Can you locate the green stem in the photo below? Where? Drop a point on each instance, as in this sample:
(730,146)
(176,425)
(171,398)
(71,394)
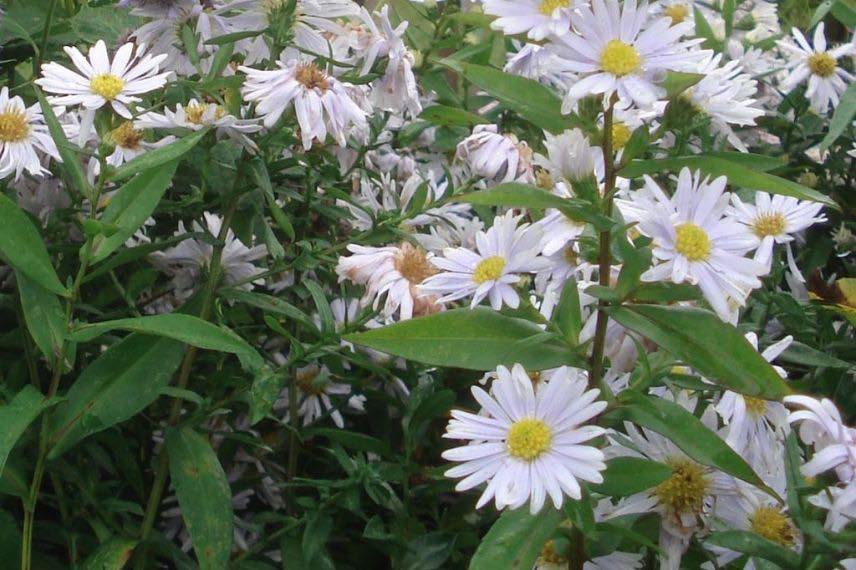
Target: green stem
(162,469)
(604,257)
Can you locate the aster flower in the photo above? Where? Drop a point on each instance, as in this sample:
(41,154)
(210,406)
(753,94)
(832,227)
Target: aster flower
(826,79)
(619,50)
(695,242)
(315,395)
(685,499)
(198,115)
(725,94)
(99,82)
(128,143)
(775,219)
(538,18)
(321,102)
(23,134)
(570,156)
(527,444)
(756,427)
(506,250)
(834,442)
(186,262)
(495,157)
(394,272)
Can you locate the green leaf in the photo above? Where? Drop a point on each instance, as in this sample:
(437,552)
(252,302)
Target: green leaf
(532,101)
(686,431)
(203,495)
(842,118)
(125,379)
(262,178)
(22,246)
(420,30)
(158,157)
(515,540)
(715,349)
(665,292)
(43,314)
(629,475)
(70,160)
(516,195)
(325,313)
(264,392)
(845,12)
(111,555)
(568,314)
(131,206)
(270,304)
(185,328)
(738,175)
(799,353)
(475,339)
(351,440)
(451,116)
(754,545)
(16,416)
(676,82)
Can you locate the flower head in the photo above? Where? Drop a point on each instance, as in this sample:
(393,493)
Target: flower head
(23,134)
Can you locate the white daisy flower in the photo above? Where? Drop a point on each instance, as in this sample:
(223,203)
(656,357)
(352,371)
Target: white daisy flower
(775,219)
(840,504)
(100,82)
(537,18)
(504,251)
(23,132)
(725,94)
(751,509)
(315,390)
(321,102)
(536,62)
(685,499)
(128,144)
(198,115)
(834,443)
(695,243)
(619,50)
(392,271)
(527,444)
(756,427)
(826,79)
(187,261)
(678,11)
(495,157)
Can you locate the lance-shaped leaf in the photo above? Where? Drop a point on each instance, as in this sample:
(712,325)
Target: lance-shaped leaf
(515,540)
(43,314)
(686,431)
(476,339)
(111,555)
(516,195)
(628,475)
(181,327)
(841,119)
(158,157)
(737,174)
(16,416)
(125,379)
(70,159)
(532,101)
(203,495)
(754,545)
(22,246)
(131,206)
(715,349)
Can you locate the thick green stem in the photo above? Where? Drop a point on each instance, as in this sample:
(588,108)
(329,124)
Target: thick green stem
(162,469)
(604,257)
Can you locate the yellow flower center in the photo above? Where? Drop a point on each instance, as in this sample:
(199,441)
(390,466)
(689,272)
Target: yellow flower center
(489,269)
(528,439)
(822,64)
(548,6)
(685,489)
(774,525)
(195,113)
(413,264)
(692,242)
(311,77)
(755,406)
(768,225)
(570,255)
(126,136)
(619,58)
(677,12)
(107,85)
(13,125)
(306,381)
(620,135)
